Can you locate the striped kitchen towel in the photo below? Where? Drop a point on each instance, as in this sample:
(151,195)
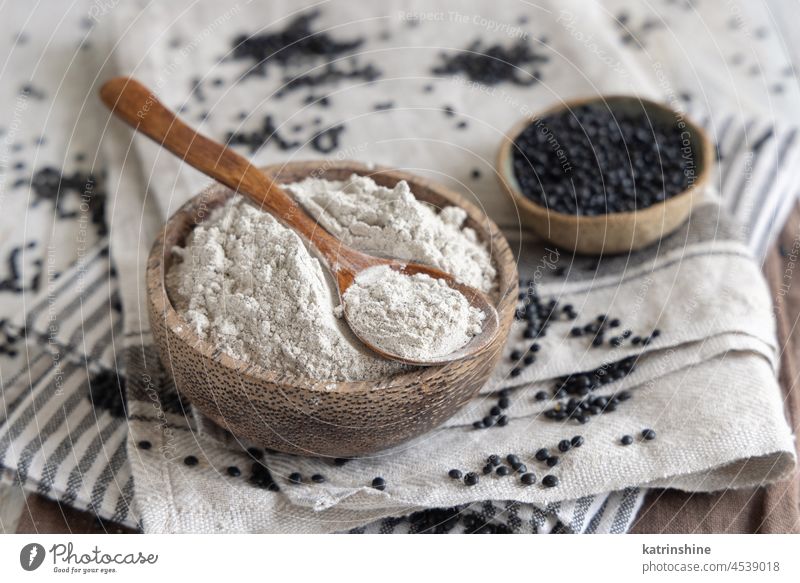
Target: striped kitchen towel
(63,427)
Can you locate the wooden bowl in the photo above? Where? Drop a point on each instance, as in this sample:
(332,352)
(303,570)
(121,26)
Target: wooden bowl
(306,416)
(613,232)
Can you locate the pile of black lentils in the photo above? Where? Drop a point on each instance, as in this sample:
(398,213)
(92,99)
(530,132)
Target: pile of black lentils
(590,160)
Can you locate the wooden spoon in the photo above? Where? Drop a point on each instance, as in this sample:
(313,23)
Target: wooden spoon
(136,105)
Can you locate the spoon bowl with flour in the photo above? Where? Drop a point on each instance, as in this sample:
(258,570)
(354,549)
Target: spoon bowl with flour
(407,312)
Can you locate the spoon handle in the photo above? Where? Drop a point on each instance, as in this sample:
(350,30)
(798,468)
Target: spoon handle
(140,108)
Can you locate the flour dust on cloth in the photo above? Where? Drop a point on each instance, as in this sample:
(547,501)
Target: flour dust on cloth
(440,125)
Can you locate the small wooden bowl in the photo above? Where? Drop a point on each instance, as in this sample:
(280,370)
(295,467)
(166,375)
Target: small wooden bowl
(305,416)
(613,232)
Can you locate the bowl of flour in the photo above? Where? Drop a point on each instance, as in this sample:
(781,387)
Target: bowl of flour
(248,318)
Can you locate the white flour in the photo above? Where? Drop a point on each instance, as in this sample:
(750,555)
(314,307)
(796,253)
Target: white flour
(416,316)
(390,222)
(249,285)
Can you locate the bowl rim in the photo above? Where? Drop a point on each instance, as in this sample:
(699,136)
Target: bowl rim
(487,230)
(508,179)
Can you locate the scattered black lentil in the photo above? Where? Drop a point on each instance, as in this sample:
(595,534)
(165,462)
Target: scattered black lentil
(261,477)
(577,441)
(471,478)
(298,42)
(190,460)
(331,75)
(503,470)
(487,469)
(318,478)
(512,459)
(648,434)
(295,478)
(268,133)
(233,471)
(552,461)
(455,474)
(490,65)
(528,479)
(379,483)
(638,161)
(626,440)
(564,445)
(550,481)
(51,184)
(144,444)
(542,454)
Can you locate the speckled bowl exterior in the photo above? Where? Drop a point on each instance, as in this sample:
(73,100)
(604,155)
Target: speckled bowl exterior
(305,416)
(614,232)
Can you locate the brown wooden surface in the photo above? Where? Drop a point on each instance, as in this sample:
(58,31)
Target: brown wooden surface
(43,516)
(773,509)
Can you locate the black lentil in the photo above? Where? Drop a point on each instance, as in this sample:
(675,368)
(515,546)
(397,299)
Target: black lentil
(517,64)
(552,461)
(295,478)
(318,478)
(528,479)
(233,471)
(471,479)
(577,441)
(494,459)
(503,470)
(542,454)
(648,434)
(379,484)
(541,395)
(638,160)
(512,459)
(502,421)
(564,445)
(144,444)
(190,460)
(298,42)
(626,440)
(488,469)
(504,402)
(455,474)
(550,481)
